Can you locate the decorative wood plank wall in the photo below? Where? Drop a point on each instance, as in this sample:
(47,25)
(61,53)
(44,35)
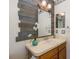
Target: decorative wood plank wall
(28,15)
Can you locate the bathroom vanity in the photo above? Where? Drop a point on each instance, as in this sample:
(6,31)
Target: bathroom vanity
(56,53)
(51,48)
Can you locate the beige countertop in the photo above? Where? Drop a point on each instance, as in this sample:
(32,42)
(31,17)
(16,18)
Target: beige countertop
(44,45)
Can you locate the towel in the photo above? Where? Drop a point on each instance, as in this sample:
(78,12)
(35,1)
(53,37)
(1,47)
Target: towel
(33,57)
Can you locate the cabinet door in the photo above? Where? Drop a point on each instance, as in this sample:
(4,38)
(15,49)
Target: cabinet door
(62,54)
(50,54)
(55,56)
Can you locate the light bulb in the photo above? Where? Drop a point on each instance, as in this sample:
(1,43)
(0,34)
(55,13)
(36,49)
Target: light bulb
(49,6)
(62,14)
(44,3)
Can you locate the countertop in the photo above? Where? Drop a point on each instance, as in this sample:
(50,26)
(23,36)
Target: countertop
(44,45)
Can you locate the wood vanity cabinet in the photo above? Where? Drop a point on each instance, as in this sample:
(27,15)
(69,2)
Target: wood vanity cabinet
(56,53)
(62,51)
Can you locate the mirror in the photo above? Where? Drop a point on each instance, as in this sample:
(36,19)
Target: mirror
(34,22)
(44,21)
(60,23)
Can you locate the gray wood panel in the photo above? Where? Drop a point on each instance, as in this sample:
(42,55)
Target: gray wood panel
(31,3)
(24,34)
(27,6)
(52,17)
(26,14)
(27,18)
(26,25)
(28,22)
(26,29)
(22,38)
(28,11)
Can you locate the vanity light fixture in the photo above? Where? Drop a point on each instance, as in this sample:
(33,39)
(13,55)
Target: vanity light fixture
(44,6)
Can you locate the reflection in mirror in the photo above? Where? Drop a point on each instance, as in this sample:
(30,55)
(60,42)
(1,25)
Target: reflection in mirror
(60,23)
(60,20)
(44,21)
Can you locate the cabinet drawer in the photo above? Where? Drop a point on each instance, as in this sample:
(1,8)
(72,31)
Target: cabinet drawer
(55,56)
(62,46)
(49,54)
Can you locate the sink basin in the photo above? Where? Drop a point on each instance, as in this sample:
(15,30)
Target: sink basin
(48,42)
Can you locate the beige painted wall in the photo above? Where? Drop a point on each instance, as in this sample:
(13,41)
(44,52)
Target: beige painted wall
(16,49)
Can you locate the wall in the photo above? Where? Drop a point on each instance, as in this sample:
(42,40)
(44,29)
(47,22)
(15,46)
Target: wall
(64,7)
(17,49)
